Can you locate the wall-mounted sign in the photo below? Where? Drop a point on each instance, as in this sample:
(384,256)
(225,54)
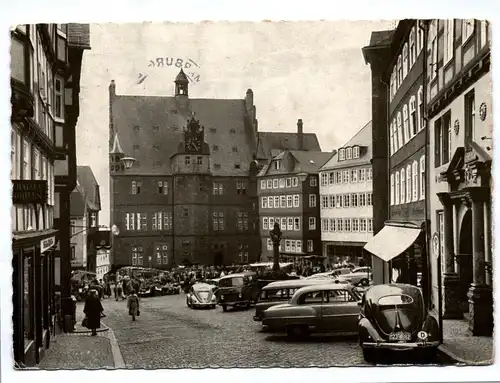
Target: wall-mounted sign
(189,66)
(435,244)
(456,126)
(47,243)
(482,111)
(29,191)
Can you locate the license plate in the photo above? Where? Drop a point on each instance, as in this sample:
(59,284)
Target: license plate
(400,336)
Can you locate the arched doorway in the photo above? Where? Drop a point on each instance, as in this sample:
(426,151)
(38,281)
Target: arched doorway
(464,258)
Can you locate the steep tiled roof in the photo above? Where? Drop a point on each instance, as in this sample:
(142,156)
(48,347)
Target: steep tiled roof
(89,187)
(79,35)
(362,138)
(310,161)
(283,140)
(305,161)
(150,129)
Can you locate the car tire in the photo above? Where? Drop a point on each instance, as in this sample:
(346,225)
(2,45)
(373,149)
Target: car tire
(188,304)
(364,282)
(213,306)
(224,308)
(297,331)
(369,355)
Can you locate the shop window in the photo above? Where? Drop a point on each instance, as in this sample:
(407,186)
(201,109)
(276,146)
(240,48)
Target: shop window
(29,300)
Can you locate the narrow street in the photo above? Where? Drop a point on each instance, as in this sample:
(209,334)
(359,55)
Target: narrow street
(168,334)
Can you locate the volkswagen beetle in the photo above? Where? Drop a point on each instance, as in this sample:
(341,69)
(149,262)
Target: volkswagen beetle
(394,317)
(201,295)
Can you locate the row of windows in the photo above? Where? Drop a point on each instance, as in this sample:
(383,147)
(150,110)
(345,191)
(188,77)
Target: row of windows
(285,201)
(468,29)
(286,223)
(346,176)
(406,59)
(349,153)
(29,57)
(346,200)
(218,222)
(30,163)
(443,131)
(288,182)
(347,225)
(408,184)
(139,221)
(292,245)
(402,130)
(162,187)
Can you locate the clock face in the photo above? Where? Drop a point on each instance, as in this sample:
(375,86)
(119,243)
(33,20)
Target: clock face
(193,144)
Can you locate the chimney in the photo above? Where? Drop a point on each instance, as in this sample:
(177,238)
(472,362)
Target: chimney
(300,135)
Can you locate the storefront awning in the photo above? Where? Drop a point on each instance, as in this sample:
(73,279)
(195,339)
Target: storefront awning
(391,241)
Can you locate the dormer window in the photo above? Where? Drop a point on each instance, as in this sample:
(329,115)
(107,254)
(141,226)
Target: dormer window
(277,164)
(348,155)
(341,154)
(355,152)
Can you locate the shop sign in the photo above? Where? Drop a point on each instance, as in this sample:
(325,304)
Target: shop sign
(29,191)
(47,243)
(435,244)
(413,211)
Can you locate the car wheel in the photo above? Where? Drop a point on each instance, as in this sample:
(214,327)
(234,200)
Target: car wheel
(364,282)
(369,355)
(247,306)
(213,306)
(224,308)
(297,331)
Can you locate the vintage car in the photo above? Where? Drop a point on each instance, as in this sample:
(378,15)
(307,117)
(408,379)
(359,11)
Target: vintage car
(280,292)
(326,307)
(394,316)
(201,295)
(238,290)
(362,277)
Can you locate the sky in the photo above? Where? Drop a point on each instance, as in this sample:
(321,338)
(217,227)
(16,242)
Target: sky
(309,70)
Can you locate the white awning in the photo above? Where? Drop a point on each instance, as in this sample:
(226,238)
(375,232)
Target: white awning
(391,241)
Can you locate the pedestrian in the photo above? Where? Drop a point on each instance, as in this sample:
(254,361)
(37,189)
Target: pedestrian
(133,305)
(118,291)
(93,310)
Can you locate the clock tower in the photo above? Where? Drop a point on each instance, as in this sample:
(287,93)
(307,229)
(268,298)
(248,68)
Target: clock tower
(192,192)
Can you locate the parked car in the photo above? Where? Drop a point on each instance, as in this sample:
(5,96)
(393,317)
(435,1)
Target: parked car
(329,275)
(238,290)
(280,292)
(201,295)
(394,316)
(328,307)
(362,278)
(362,269)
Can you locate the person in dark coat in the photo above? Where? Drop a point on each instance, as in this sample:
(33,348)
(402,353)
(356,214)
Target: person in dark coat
(133,304)
(93,309)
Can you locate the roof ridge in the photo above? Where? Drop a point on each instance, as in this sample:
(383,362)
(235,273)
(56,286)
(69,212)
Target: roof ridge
(356,134)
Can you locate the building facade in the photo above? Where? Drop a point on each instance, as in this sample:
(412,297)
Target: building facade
(85,204)
(40,67)
(189,197)
(397,63)
(288,191)
(459,103)
(346,200)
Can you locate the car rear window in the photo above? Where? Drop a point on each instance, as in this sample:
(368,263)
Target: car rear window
(275,295)
(395,300)
(231,282)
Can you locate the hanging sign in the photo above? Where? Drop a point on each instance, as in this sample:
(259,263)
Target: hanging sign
(47,243)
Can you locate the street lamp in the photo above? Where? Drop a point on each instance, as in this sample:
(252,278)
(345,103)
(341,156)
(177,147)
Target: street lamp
(302,176)
(128,162)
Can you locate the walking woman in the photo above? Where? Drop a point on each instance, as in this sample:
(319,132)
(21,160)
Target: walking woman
(93,309)
(133,304)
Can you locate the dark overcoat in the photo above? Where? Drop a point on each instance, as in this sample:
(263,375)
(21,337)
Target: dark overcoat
(93,309)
